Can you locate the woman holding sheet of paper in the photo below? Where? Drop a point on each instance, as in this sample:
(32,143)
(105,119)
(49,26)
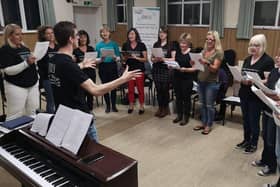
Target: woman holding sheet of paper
(109,53)
(137,56)
(21,78)
(160,71)
(183,80)
(45,33)
(208,84)
(79,54)
(251,105)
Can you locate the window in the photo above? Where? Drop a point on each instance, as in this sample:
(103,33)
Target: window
(190,12)
(267,13)
(22,12)
(121,11)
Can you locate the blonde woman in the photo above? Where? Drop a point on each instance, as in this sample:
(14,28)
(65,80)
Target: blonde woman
(21,79)
(259,62)
(208,85)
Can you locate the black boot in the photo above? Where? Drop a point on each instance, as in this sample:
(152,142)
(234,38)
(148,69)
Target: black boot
(108,109)
(178,118)
(185,120)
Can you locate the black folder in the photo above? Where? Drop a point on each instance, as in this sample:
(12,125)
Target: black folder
(14,123)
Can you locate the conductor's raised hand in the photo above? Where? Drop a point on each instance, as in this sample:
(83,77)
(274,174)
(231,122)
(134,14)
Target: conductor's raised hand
(89,63)
(128,75)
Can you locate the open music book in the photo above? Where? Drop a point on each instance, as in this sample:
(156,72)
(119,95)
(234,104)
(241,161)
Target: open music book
(68,128)
(195,57)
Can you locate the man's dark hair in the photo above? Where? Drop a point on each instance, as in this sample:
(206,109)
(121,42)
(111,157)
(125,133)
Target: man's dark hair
(62,32)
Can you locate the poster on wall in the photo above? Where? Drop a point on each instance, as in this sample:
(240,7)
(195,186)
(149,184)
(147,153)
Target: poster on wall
(146,21)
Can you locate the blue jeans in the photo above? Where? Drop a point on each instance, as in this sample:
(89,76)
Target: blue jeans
(92,132)
(251,112)
(207,92)
(49,96)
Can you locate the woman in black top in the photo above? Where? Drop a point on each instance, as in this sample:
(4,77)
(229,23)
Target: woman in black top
(251,106)
(135,60)
(21,79)
(183,80)
(45,33)
(79,54)
(161,73)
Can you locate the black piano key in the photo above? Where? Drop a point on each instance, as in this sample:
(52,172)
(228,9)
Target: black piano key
(6,145)
(47,173)
(34,166)
(16,151)
(59,182)
(53,177)
(29,162)
(9,149)
(69,184)
(25,158)
(21,155)
(64,184)
(41,169)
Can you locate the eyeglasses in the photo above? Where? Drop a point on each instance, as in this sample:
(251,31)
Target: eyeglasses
(209,39)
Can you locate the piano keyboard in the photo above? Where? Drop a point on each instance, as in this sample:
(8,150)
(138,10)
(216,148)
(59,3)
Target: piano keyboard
(32,167)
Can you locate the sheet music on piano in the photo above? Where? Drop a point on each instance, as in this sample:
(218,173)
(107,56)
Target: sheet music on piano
(68,128)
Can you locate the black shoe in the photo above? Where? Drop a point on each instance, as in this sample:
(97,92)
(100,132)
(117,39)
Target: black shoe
(242,145)
(129,111)
(258,163)
(107,110)
(184,122)
(176,120)
(141,112)
(250,149)
(266,171)
(114,109)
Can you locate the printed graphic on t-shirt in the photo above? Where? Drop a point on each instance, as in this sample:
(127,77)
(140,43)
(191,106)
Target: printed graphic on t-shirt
(24,55)
(52,78)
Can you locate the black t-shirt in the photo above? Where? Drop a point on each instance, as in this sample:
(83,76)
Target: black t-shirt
(138,52)
(14,56)
(43,64)
(184,61)
(80,55)
(167,48)
(265,63)
(66,78)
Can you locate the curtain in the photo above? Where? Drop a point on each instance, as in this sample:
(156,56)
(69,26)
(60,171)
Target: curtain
(162,4)
(245,19)
(111,14)
(47,15)
(129,5)
(217,16)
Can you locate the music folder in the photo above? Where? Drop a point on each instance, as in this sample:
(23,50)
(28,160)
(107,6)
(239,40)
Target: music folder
(17,122)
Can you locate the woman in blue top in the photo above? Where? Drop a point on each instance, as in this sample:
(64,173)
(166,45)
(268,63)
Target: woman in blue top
(108,70)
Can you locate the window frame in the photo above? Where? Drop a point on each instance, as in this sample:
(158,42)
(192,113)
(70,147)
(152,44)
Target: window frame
(124,12)
(182,3)
(23,18)
(277,17)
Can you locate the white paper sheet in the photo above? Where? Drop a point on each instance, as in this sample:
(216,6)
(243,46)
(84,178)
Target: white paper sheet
(172,64)
(77,131)
(91,55)
(255,78)
(268,101)
(59,125)
(157,52)
(195,57)
(40,49)
(232,99)
(107,52)
(40,124)
(236,73)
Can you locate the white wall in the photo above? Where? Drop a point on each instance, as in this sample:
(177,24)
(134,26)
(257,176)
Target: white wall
(145,3)
(63,10)
(231,13)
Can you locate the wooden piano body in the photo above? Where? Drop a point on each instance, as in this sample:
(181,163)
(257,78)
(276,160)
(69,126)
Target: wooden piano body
(113,170)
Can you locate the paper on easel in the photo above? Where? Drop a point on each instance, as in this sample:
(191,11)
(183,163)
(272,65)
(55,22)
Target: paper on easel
(236,73)
(107,52)
(195,57)
(77,131)
(268,101)
(157,52)
(90,55)
(40,49)
(41,123)
(255,78)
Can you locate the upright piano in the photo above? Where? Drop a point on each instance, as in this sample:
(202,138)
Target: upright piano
(36,162)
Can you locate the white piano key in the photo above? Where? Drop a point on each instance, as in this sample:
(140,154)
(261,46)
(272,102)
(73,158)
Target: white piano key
(24,169)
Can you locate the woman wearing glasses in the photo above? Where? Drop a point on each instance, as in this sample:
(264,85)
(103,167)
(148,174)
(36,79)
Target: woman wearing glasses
(208,80)
(251,106)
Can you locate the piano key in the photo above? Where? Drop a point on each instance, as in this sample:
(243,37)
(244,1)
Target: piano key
(41,169)
(16,151)
(25,158)
(7,145)
(64,184)
(35,165)
(60,182)
(30,162)
(46,174)
(21,155)
(53,177)
(9,149)
(28,159)
(69,184)
(24,169)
